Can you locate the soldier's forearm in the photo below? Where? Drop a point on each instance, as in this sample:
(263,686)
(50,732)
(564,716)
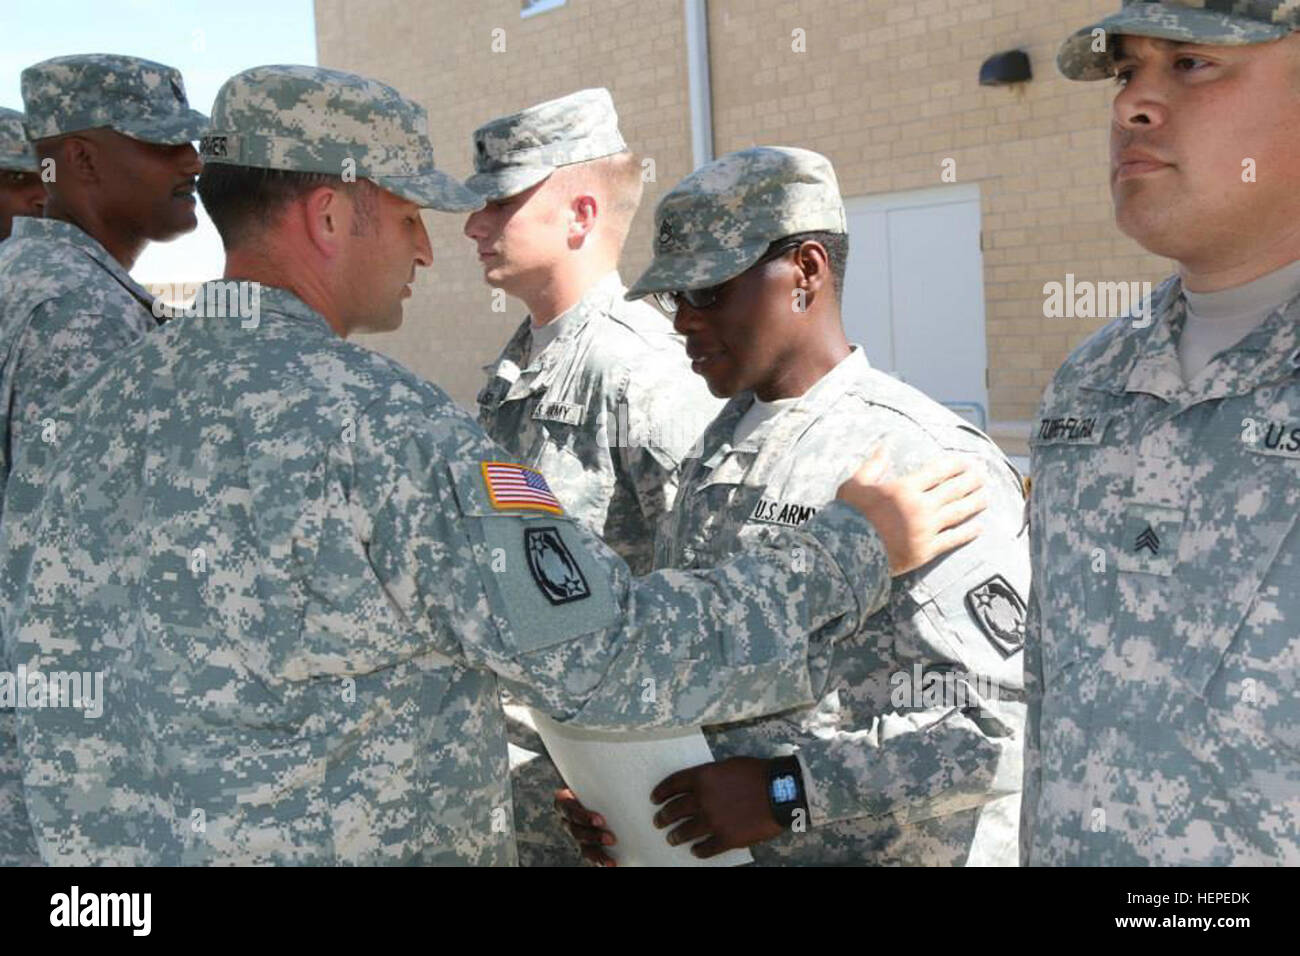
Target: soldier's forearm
(939,768)
(749,637)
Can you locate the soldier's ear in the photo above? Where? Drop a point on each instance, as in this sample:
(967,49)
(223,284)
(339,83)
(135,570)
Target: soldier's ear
(583,213)
(813,266)
(81,158)
(325,218)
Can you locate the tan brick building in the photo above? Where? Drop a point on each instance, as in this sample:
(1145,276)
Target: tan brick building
(888,89)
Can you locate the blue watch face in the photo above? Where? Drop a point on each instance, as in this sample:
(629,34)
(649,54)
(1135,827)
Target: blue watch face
(785,789)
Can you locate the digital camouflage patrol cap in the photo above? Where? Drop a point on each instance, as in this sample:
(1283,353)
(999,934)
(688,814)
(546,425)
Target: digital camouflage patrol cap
(1226,22)
(138,98)
(15,151)
(310,119)
(719,220)
(516,152)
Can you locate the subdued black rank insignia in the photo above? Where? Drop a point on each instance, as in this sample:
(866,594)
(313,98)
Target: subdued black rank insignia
(553,568)
(1149,540)
(666,232)
(1000,613)
(179,91)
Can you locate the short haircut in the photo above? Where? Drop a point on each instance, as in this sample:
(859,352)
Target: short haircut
(244,200)
(618,179)
(48,147)
(836,245)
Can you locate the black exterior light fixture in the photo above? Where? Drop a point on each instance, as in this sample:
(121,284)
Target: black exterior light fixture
(1005,69)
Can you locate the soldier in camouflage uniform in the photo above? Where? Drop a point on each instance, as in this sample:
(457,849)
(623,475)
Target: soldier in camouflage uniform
(912,755)
(303,571)
(593,390)
(119,131)
(608,407)
(21,191)
(1163,639)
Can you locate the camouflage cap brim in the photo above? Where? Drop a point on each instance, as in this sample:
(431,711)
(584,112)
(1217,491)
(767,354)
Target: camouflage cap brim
(510,181)
(432,190)
(1077,60)
(16,154)
(696,270)
(24,162)
(189,126)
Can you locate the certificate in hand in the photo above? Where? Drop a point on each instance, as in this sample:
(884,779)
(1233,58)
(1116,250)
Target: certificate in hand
(613,775)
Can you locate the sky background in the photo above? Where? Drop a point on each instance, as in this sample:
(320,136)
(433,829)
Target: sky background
(208,42)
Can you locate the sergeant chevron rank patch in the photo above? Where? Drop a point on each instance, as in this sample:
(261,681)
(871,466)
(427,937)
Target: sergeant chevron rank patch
(553,568)
(1000,613)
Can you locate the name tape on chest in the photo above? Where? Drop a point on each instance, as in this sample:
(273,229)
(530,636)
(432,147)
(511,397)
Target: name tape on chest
(512,487)
(566,413)
(1070,430)
(786,513)
(1280,439)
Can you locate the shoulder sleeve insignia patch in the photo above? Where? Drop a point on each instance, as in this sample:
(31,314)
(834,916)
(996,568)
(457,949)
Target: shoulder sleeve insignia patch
(513,488)
(1000,613)
(553,567)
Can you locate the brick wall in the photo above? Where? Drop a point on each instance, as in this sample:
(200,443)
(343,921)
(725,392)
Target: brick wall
(440,53)
(886,89)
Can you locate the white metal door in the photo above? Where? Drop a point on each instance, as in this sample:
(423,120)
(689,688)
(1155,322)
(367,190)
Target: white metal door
(914,292)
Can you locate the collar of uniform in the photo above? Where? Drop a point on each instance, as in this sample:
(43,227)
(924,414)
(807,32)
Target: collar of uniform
(287,304)
(790,424)
(595,301)
(608,289)
(56,230)
(1133,358)
(544,366)
(1155,369)
(828,389)
(787,426)
(513,352)
(1267,354)
(715,443)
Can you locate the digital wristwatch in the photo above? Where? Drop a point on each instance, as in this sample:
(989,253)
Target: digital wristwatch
(785,793)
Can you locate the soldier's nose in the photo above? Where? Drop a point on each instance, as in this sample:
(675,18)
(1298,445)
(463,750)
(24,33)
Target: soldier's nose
(684,319)
(190,164)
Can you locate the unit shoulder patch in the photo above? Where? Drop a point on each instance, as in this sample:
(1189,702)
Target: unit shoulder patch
(553,567)
(1000,612)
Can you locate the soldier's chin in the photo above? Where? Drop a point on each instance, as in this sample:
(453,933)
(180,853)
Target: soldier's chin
(376,324)
(181,222)
(394,320)
(720,383)
(1150,225)
(496,276)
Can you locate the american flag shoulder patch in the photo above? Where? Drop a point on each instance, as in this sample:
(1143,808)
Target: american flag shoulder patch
(514,487)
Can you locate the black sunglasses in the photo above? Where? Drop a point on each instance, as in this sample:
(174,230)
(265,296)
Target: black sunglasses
(708,297)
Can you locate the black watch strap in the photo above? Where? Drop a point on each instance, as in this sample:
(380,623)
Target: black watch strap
(785,793)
